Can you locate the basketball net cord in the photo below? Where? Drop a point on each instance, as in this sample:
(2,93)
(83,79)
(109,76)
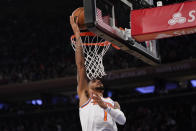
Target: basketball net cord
(94,48)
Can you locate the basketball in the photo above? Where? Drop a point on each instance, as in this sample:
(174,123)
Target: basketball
(79,12)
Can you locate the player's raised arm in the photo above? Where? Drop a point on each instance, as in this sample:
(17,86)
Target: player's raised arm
(79,58)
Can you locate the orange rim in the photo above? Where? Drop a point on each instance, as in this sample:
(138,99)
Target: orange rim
(88,44)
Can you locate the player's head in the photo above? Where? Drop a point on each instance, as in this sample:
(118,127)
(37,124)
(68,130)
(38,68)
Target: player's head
(96,85)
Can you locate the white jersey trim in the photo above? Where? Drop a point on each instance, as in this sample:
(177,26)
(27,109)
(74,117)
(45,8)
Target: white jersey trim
(86,103)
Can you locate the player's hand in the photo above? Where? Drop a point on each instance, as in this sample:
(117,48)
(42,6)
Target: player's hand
(74,25)
(116,105)
(97,99)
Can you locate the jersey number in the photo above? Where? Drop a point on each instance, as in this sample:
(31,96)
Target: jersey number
(105,116)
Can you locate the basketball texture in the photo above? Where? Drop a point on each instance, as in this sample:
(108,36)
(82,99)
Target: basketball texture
(79,12)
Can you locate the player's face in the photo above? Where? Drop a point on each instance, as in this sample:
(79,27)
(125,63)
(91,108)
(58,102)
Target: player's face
(96,85)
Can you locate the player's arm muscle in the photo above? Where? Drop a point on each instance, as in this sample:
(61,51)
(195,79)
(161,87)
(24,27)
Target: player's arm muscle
(79,58)
(81,71)
(117,115)
(82,81)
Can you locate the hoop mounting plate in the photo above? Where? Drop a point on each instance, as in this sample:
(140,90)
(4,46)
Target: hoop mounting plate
(105,17)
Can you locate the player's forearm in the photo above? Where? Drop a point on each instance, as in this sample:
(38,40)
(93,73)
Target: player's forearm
(79,56)
(117,115)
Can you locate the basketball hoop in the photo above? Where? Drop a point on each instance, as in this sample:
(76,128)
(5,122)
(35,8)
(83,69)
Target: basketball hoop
(94,49)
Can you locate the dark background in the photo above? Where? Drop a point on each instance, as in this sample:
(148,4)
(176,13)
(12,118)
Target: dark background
(38,74)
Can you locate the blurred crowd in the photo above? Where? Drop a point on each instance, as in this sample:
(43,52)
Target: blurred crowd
(159,118)
(47,121)
(38,48)
(140,117)
(33,50)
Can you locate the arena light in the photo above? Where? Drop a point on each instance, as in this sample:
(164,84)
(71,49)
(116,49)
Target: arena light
(146,89)
(33,102)
(76,97)
(193,82)
(1,106)
(109,94)
(37,102)
(170,86)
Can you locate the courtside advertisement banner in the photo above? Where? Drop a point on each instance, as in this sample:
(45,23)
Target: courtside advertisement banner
(163,22)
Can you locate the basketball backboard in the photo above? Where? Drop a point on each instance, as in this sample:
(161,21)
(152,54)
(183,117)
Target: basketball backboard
(110,19)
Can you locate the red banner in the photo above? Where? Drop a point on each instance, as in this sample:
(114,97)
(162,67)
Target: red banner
(163,22)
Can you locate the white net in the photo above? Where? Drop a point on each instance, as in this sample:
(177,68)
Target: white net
(94,49)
